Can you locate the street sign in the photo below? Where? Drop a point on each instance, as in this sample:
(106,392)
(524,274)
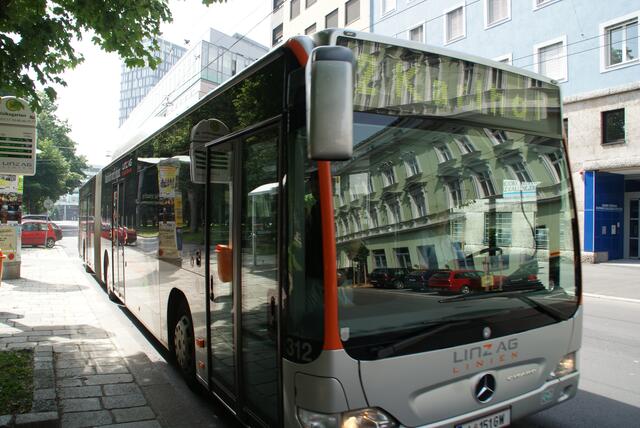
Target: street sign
(17,137)
(48,204)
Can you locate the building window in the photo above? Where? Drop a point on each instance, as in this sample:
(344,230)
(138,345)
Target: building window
(464,143)
(277,35)
(520,172)
(417,34)
(621,42)
(419,202)
(497,136)
(565,128)
(295,8)
(412,165)
(454,25)
(542,237)
(455,194)
(310,29)
(356,222)
(373,217)
(444,154)
(402,257)
(310,3)
(505,59)
(537,4)
(388,176)
(485,184)
(550,59)
(554,164)
(613,126)
(394,213)
(456,230)
(352,11)
(331,20)
(497,229)
(379,259)
(370,184)
(277,4)
(496,11)
(387,6)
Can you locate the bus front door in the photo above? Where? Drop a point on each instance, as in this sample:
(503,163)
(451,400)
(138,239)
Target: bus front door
(118,240)
(243,197)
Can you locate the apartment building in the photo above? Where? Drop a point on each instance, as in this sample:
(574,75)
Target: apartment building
(591,50)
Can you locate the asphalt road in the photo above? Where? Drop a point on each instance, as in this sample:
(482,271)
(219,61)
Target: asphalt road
(609,394)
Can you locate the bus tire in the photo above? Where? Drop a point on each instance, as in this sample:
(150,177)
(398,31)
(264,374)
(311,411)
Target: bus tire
(183,345)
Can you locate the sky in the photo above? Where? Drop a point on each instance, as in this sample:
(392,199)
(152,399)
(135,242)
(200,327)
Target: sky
(90,101)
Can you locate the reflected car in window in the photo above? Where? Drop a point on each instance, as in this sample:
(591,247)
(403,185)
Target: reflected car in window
(419,278)
(388,277)
(456,281)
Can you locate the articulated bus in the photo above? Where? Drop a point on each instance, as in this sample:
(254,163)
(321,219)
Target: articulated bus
(355,231)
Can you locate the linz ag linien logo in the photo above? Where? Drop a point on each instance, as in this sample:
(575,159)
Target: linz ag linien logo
(483,356)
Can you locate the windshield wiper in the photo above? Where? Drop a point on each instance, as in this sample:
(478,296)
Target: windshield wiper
(432,329)
(556,315)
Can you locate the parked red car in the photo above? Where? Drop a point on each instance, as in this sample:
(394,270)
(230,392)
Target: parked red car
(456,281)
(38,232)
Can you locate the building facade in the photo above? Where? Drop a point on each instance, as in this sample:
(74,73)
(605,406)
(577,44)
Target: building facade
(297,17)
(204,67)
(592,52)
(135,83)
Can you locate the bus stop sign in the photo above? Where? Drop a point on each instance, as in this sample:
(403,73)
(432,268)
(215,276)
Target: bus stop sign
(17,137)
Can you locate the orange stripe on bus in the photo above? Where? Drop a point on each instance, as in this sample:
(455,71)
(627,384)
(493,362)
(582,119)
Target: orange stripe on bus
(331,329)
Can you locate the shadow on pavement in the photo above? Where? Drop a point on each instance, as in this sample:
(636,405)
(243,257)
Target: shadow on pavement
(585,410)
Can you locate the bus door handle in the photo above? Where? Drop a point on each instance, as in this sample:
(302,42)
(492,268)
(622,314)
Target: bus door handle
(211,296)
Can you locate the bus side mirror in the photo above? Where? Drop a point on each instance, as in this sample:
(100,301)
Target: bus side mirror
(329,90)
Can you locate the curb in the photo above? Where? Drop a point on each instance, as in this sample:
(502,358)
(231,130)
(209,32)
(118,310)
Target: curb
(620,299)
(44,409)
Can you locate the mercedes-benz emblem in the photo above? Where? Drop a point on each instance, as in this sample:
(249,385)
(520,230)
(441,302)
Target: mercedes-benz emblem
(486,332)
(485,388)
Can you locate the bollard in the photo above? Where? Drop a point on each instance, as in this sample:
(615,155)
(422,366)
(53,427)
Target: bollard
(2,257)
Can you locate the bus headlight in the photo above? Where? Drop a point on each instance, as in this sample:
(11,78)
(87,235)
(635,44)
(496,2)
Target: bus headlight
(566,366)
(363,418)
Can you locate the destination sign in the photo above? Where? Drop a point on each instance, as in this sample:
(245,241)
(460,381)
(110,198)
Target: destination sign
(411,82)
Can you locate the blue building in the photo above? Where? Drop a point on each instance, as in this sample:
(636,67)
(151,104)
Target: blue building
(591,50)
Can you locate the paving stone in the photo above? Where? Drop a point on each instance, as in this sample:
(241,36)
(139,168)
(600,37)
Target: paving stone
(133,414)
(72,356)
(5,420)
(108,378)
(80,404)
(69,364)
(123,401)
(141,424)
(76,371)
(44,405)
(43,365)
(63,383)
(86,419)
(80,392)
(121,389)
(37,419)
(112,369)
(44,394)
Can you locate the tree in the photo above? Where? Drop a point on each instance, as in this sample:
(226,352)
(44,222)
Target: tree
(36,36)
(59,169)
(50,180)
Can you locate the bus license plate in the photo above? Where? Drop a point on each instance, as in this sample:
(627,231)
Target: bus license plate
(495,420)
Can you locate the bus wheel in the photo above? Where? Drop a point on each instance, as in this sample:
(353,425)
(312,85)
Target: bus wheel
(465,289)
(50,242)
(183,345)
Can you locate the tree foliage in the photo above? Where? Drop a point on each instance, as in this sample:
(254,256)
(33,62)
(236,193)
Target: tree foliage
(59,169)
(36,36)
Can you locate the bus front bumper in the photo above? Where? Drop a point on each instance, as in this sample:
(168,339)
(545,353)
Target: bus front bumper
(548,395)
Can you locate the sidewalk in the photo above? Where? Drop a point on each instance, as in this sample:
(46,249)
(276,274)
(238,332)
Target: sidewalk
(614,280)
(103,373)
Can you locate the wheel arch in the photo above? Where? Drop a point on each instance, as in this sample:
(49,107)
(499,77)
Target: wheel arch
(176,299)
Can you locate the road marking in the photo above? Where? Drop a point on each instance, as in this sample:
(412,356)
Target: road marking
(602,296)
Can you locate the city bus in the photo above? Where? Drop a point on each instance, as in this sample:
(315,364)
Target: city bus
(268,234)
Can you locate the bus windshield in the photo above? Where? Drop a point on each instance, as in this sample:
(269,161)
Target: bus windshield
(454,218)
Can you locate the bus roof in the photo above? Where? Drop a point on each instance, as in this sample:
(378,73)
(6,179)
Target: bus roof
(134,137)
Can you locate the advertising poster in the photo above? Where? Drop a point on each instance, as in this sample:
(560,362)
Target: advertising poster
(10,241)
(170,209)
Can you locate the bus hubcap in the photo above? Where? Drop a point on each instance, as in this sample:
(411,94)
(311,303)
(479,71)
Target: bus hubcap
(181,342)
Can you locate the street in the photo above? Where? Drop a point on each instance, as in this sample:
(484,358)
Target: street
(609,392)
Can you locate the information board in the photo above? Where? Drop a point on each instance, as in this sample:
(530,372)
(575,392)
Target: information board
(17,137)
